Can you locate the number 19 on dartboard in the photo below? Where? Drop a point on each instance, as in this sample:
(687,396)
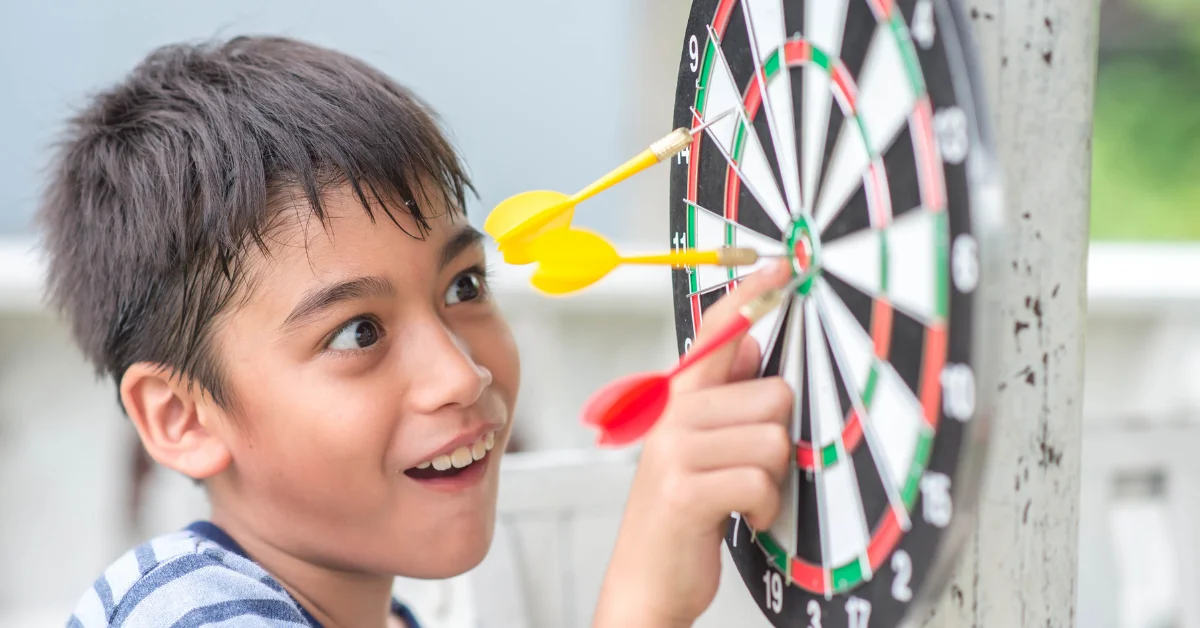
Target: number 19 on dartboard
(854,147)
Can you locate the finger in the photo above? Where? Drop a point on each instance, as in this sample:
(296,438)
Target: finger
(764,445)
(747,490)
(766,400)
(746,361)
(714,368)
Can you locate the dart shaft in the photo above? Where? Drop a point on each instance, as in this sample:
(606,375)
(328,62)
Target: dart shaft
(662,149)
(721,257)
(676,258)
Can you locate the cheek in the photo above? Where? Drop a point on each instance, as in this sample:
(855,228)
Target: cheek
(304,423)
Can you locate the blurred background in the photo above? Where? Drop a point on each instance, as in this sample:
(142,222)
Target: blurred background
(569,89)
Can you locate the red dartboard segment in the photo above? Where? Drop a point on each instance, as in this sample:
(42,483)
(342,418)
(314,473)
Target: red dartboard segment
(808,576)
(882,9)
(933,196)
(884,541)
(852,434)
(881,328)
(931,385)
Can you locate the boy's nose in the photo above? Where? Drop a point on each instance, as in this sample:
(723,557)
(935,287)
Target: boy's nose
(444,372)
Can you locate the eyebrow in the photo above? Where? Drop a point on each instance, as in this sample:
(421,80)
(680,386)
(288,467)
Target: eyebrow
(317,301)
(464,239)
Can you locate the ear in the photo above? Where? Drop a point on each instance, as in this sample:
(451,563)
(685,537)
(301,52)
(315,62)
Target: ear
(175,422)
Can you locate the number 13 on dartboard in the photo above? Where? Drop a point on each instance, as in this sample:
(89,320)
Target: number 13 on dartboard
(855,148)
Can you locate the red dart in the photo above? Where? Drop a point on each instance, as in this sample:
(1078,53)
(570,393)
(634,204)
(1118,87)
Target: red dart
(627,408)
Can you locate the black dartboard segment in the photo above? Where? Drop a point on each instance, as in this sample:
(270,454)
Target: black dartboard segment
(846,132)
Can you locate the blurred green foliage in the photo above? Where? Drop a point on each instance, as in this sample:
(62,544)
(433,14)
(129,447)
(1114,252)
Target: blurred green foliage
(1146,151)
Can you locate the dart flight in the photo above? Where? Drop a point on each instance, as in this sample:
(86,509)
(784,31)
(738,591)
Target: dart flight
(517,220)
(572,259)
(626,409)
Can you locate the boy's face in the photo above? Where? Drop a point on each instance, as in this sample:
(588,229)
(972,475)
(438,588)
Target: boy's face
(363,353)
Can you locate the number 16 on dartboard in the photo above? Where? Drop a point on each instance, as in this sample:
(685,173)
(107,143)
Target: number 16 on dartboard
(855,148)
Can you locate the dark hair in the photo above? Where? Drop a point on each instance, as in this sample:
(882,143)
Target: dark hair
(165,181)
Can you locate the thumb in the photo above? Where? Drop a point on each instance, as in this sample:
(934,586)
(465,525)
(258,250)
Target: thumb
(715,367)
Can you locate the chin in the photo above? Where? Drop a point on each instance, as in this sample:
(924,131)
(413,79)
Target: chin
(455,552)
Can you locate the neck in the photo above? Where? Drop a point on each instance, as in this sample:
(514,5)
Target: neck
(335,597)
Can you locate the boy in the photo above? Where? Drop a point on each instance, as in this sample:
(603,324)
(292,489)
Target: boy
(261,242)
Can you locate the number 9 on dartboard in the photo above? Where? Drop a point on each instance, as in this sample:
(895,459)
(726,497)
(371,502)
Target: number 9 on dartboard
(850,138)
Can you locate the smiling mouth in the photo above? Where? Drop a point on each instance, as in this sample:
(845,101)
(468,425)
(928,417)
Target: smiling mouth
(461,459)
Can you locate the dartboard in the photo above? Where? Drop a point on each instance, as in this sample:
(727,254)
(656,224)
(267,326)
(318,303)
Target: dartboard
(847,137)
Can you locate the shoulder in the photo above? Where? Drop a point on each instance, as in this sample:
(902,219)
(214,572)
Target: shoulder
(183,580)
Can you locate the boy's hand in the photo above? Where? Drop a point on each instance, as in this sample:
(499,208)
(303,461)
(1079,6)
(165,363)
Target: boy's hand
(721,446)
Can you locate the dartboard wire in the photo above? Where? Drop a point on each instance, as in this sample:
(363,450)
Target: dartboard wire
(814,120)
(721,286)
(820,295)
(849,94)
(791,315)
(815,336)
(795,324)
(792,192)
(727,221)
(786,308)
(738,171)
(750,137)
(929,321)
(822,523)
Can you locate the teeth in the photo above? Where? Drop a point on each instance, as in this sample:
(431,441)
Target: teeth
(461,457)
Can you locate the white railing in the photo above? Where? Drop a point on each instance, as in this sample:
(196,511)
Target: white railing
(63,453)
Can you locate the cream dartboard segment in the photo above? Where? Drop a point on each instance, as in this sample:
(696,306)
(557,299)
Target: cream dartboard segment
(856,147)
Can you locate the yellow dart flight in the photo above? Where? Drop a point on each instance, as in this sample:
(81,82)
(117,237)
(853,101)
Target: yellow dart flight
(571,259)
(517,220)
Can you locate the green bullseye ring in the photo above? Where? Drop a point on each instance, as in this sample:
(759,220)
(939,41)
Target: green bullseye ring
(804,249)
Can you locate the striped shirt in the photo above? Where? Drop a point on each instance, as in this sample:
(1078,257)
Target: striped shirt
(198,576)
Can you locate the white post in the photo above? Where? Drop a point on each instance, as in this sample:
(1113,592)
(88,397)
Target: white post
(1018,570)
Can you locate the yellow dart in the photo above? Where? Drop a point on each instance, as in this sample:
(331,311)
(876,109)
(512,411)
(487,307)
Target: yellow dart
(517,220)
(572,259)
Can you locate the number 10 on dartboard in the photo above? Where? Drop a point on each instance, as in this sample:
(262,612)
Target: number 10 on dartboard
(853,148)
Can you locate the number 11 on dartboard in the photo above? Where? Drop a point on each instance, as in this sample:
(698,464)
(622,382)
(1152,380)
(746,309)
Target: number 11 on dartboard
(845,135)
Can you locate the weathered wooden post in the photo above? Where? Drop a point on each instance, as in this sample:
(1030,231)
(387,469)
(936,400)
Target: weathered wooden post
(1039,66)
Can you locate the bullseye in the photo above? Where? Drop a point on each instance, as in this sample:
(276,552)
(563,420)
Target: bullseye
(802,245)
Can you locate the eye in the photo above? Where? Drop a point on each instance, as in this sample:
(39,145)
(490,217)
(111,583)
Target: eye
(468,286)
(359,333)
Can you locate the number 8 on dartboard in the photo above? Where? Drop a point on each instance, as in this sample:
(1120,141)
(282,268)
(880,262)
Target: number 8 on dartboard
(855,147)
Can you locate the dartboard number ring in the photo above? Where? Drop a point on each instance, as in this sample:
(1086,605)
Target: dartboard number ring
(844,136)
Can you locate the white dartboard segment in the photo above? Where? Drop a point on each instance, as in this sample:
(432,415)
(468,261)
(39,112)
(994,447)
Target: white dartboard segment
(885,96)
(739,142)
(767,32)
(824,24)
(847,335)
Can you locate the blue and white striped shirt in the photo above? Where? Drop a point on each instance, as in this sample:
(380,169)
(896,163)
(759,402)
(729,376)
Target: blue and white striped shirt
(198,576)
